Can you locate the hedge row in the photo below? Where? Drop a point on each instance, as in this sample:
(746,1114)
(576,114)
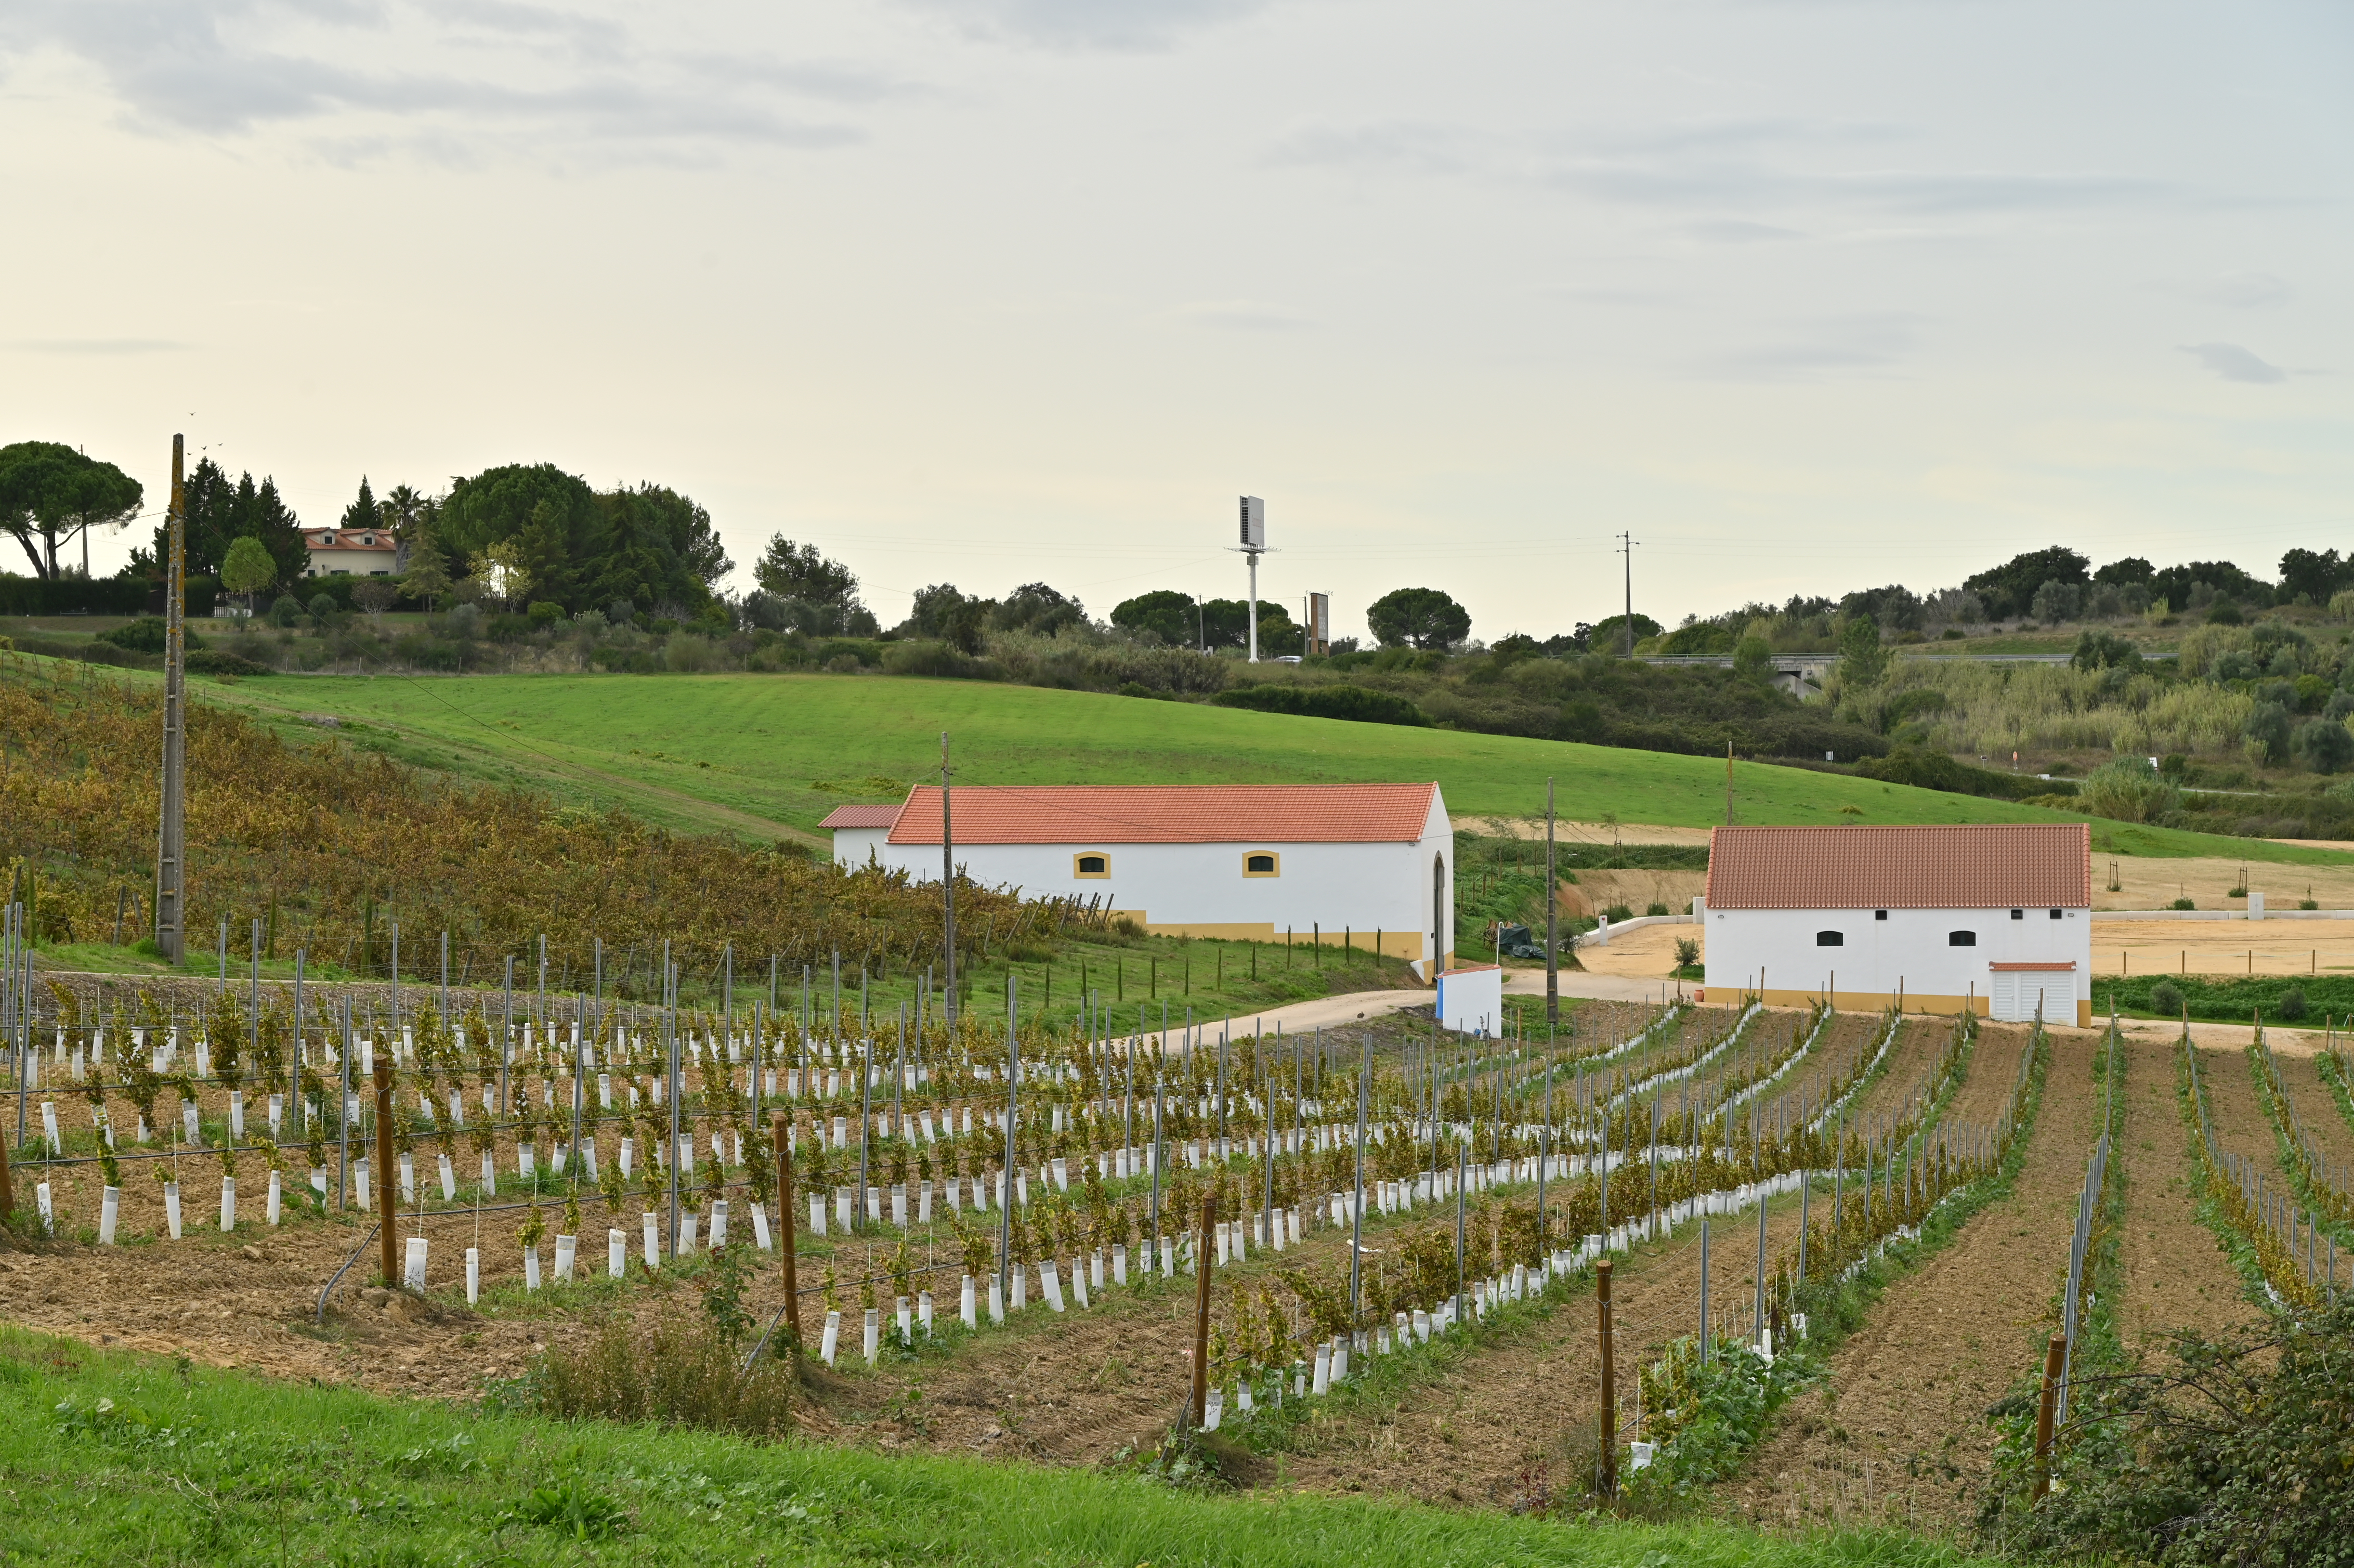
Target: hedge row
(97,595)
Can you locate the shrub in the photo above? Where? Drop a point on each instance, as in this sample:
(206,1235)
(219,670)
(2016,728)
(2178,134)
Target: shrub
(543,612)
(1618,911)
(1687,952)
(678,1369)
(2291,1005)
(213,661)
(2323,744)
(2127,789)
(144,635)
(2166,996)
(286,612)
(2183,904)
(1654,907)
(2268,731)
(1358,702)
(323,608)
(2225,613)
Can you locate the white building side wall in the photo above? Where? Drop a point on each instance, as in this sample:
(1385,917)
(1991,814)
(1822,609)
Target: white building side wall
(1910,951)
(1359,887)
(852,846)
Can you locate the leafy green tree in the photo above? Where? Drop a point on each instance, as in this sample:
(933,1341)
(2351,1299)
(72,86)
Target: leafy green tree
(50,494)
(247,568)
(2007,589)
(803,572)
(2268,727)
(1753,659)
(220,510)
(1862,661)
(2323,745)
(1166,613)
(2317,576)
(2105,650)
(1610,635)
(1040,610)
(1418,618)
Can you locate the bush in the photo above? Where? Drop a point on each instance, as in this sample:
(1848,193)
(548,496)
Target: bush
(2166,997)
(1359,704)
(213,661)
(1927,769)
(286,612)
(2184,904)
(1618,911)
(2127,789)
(2323,745)
(2291,1005)
(1655,908)
(144,635)
(679,1370)
(544,613)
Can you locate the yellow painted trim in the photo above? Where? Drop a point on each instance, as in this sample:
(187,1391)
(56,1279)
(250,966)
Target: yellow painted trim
(1103,876)
(1880,1000)
(1401,944)
(1273,856)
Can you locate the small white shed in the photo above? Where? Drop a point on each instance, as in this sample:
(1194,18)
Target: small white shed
(1995,916)
(1363,864)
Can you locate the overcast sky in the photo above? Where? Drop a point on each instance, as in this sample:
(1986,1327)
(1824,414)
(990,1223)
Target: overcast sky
(1806,297)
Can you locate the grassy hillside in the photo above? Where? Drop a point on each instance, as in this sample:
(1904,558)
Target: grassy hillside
(751,752)
(114,1459)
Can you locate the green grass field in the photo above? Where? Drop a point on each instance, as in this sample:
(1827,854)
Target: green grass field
(760,753)
(111,1458)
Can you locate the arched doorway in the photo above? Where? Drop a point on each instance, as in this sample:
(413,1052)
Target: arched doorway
(1437,915)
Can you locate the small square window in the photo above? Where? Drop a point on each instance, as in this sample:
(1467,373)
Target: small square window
(1091,862)
(1262,862)
(1829,939)
(2055,914)
(2018,914)
(1880,914)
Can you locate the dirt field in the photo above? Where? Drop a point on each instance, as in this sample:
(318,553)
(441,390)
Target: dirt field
(2177,1275)
(1897,1432)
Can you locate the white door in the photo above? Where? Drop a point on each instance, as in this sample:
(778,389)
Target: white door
(2005,992)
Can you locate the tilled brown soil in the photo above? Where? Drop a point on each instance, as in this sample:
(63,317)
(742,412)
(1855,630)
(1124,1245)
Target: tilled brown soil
(2242,1128)
(1513,1419)
(1896,1431)
(2318,1113)
(2176,1273)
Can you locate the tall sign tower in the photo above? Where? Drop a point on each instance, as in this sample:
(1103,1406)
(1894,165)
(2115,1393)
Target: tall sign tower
(171,881)
(1254,546)
(1317,622)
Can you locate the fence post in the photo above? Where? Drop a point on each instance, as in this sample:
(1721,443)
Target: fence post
(2054,1356)
(1202,1311)
(787,1233)
(1608,1478)
(386,1184)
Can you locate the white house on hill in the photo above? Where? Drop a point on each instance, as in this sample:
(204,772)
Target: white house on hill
(1331,863)
(1996,917)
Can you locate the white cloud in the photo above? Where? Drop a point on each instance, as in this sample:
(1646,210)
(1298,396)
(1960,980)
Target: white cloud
(2232,363)
(1118,25)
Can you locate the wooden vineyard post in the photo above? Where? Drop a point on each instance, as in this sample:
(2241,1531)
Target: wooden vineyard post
(2055,1354)
(1202,1311)
(7,1182)
(1608,1478)
(385,1183)
(787,1233)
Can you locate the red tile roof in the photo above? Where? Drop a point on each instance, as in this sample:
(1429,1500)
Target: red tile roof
(861,816)
(2010,865)
(1173,814)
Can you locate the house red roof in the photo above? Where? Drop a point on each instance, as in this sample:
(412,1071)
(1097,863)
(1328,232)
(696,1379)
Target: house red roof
(1170,814)
(2007,866)
(861,816)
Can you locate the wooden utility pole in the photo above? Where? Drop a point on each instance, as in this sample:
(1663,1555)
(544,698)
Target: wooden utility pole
(1552,926)
(1608,1478)
(1728,783)
(947,891)
(786,1231)
(2055,1358)
(170,848)
(1202,1311)
(390,1250)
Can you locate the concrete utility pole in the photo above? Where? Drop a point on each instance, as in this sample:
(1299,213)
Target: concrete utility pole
(171,918)
(1626,548)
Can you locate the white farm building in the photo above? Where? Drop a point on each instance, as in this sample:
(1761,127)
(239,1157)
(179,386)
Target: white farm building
(1356,863)
(1996,917)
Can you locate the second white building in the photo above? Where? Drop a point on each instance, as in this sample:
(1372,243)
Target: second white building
(1365,864)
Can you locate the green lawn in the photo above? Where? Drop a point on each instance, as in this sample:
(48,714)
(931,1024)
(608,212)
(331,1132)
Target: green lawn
(187,1465)
(747,752)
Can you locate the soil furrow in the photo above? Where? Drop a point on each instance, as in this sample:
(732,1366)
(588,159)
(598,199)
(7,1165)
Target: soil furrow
(2175,1272)
(1896,1430)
